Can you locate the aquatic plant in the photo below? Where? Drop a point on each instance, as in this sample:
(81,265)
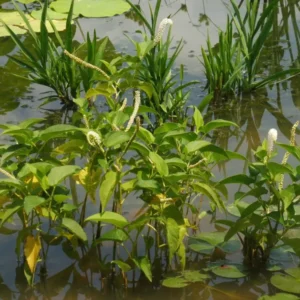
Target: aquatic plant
(170,168)
(232,66)
(47,63)
(155,64)
(263,222)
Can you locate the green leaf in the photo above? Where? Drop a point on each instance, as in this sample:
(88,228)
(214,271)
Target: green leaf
(279,296)
(75,228)
(31,202)
(256,192)
(198,119)
(294,272)
(29,122)
(146,135)
(273,268)
(116,138)
(194,276)
(238,226)
(172,237)
(107,188)
(294,150)
(234,155)
(9,212)
(148,184)
(144,264)
(251,209)
(91,8)
(176,162)
(240,179)
(53,15)
(11,183)
(110,218)
(159,163)
(286,283)
(58,174)
(276,169)
(57,131)
(175,282)
(195,146)
(166,127)
(216,124)
(116,235)
(205,101)
(294,243)
(228,271)
(210,193)
(207,242)
(15,24)
(201,247)
(140,148)
(213,238)
(123,266)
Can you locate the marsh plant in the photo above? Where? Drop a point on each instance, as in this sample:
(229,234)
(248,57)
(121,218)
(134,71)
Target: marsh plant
(264,221)
(233,65)
(170,169)
(155,63)
(151,69)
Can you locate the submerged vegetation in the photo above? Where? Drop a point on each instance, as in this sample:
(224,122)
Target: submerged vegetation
(68,183)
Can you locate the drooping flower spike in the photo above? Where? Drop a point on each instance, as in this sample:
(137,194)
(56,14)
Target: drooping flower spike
(137,102)
(123,105)
(161,29)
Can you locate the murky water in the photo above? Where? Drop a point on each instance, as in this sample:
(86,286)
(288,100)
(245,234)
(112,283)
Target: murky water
(80,275)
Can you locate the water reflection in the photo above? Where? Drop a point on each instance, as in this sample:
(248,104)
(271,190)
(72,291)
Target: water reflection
(87,279)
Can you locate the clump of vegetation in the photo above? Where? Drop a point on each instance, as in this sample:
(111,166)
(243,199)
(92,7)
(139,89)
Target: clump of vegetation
(232,66)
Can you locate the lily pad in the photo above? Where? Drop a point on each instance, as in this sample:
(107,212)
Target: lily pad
(175,282)
(15,29)
(92,8)
(194,276)
(279,296)
(295,272)
(273,268)
(26,1)
(205,243)
(228,271)
(53,15)
(17,24)
(286,283)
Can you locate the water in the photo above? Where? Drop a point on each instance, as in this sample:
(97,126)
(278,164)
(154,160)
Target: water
(79,275)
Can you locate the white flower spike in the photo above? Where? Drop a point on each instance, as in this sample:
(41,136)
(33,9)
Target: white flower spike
(123,105)
(137,102)
(93,138)
(272,137)
(161,29)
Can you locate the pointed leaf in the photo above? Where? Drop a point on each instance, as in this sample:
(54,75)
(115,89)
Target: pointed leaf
(107,188)
(58,174)
(110,218)
(75,228)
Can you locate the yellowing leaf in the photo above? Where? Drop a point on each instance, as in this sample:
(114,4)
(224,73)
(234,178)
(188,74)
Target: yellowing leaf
(32,250)
(156,198)
(89,180)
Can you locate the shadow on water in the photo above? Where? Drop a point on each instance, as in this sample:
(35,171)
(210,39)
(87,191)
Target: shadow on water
(70,272)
